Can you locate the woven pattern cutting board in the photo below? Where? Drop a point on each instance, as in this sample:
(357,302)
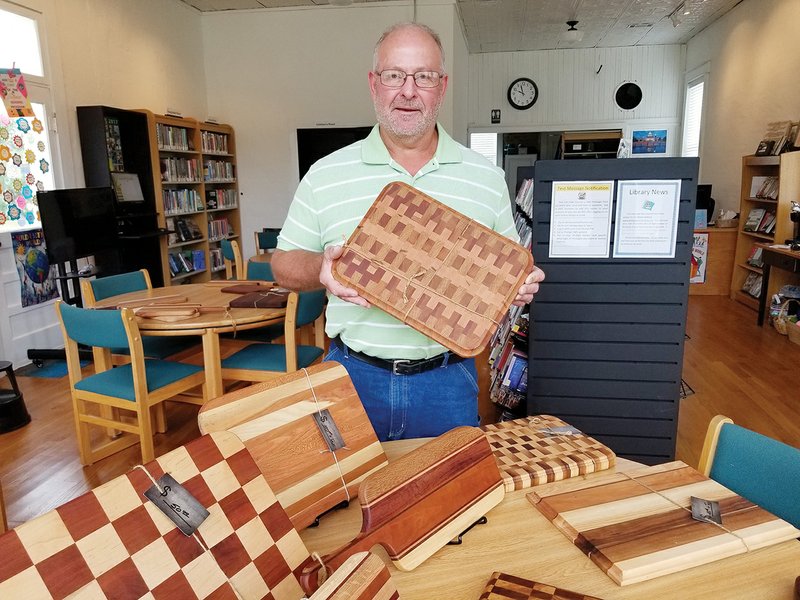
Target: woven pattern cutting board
(527,455)
(502,586)
(112,542)
(433,268)
(275,421)
(637,525)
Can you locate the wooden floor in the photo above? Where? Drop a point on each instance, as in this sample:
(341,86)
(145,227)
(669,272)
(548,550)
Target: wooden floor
(734,368)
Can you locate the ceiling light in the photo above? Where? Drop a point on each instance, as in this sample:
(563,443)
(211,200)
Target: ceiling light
(572,35)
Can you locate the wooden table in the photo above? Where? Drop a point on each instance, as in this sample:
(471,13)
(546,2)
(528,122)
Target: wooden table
(518,540)
(208,324)
(780,258)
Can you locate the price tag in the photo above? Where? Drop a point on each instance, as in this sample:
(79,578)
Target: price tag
(706,511)
(178,504)
(327,427)
(560,430)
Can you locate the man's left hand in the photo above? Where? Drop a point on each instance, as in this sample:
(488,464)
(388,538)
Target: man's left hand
(529,288)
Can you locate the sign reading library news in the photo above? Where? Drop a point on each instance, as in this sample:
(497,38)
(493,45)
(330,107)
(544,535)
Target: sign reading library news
(580,219)
(646,224)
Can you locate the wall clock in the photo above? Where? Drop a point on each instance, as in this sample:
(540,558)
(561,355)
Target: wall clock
(522,93)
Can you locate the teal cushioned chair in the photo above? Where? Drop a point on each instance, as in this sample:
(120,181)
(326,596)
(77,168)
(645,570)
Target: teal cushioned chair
(266,239)
(94,290)
(139,387)
(232,258)
(260,362)
(759,468)
(257,270)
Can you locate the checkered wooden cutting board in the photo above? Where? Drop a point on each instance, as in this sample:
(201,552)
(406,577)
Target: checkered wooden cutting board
(363,576)
(433,268)
(507,587)
(527,455)
(113,542)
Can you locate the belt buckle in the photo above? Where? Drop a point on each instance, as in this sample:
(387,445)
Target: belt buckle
(395,364)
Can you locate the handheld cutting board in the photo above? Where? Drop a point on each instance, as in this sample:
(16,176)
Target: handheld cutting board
(433,268)
(637,525)
(502,586)
(421,501)
(276,422)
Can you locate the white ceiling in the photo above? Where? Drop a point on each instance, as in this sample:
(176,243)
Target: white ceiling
(513,25)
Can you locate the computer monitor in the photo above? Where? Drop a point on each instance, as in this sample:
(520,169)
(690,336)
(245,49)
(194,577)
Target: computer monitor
(704,200)
(78,222)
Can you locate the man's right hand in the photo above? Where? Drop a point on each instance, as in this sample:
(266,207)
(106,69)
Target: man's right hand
(333,286)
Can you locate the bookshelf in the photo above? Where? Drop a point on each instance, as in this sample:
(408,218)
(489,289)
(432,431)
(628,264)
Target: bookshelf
(765,191)
(590,144)
(196,192)
(508,349)
(115,144)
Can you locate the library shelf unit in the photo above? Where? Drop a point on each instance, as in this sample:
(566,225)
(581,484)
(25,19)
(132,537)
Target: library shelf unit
(785,167)
(196,192)
(590,144)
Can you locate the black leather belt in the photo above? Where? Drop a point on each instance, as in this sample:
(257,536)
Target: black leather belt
(402,366)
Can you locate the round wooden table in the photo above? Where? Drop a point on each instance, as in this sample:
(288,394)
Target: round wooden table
(215,318)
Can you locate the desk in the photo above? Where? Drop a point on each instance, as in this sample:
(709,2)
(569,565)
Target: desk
(209,325)
(719,262)
(780,258)
(518,540)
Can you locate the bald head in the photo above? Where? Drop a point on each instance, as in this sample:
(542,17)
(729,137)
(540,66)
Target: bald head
(397,27)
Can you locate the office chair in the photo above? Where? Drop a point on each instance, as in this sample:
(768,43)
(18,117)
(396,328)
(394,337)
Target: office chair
(260,362)
(138,387)
(267,239)
(94,290)
(233,259)
(764,471)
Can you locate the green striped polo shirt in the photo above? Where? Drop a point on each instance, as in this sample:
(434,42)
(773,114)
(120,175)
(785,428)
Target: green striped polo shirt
(338,190)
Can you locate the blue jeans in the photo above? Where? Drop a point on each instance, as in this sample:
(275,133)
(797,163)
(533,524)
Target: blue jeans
(411,406)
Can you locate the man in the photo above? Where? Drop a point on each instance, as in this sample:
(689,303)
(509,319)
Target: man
(410,385)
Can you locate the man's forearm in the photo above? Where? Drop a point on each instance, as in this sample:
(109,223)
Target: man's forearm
(297,269)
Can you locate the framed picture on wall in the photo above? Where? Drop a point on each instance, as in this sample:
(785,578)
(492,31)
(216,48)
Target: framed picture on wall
(649,141)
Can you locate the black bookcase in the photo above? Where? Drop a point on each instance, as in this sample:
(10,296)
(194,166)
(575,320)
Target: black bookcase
(606,334)
(138,221)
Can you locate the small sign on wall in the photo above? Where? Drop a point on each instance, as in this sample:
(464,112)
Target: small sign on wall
(495,115)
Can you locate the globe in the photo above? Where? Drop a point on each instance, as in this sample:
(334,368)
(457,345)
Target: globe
(36,265)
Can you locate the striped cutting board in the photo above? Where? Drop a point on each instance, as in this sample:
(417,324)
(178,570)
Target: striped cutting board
(275,421)
(637,525)
(529,453)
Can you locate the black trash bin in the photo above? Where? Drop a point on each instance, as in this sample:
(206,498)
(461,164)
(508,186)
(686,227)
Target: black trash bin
(13,413)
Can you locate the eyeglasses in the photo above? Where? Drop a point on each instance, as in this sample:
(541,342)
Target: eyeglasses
(424,79)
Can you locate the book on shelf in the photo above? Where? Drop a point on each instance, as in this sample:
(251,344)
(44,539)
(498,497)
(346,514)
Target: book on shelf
(114,144)
(754,259)
(774,139)
(767,223)
(752,284)
(764,187)
(199,260)
(754,219)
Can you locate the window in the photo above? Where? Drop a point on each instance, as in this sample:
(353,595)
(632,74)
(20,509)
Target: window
(485,144)
(692,117)
(26,151)
(19,44)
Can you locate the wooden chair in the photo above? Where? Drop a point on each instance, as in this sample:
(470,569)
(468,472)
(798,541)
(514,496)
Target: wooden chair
(266,240)
(759,468)
(260,362)
(3,518)
(94,290)
(136,388)
(233,259)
